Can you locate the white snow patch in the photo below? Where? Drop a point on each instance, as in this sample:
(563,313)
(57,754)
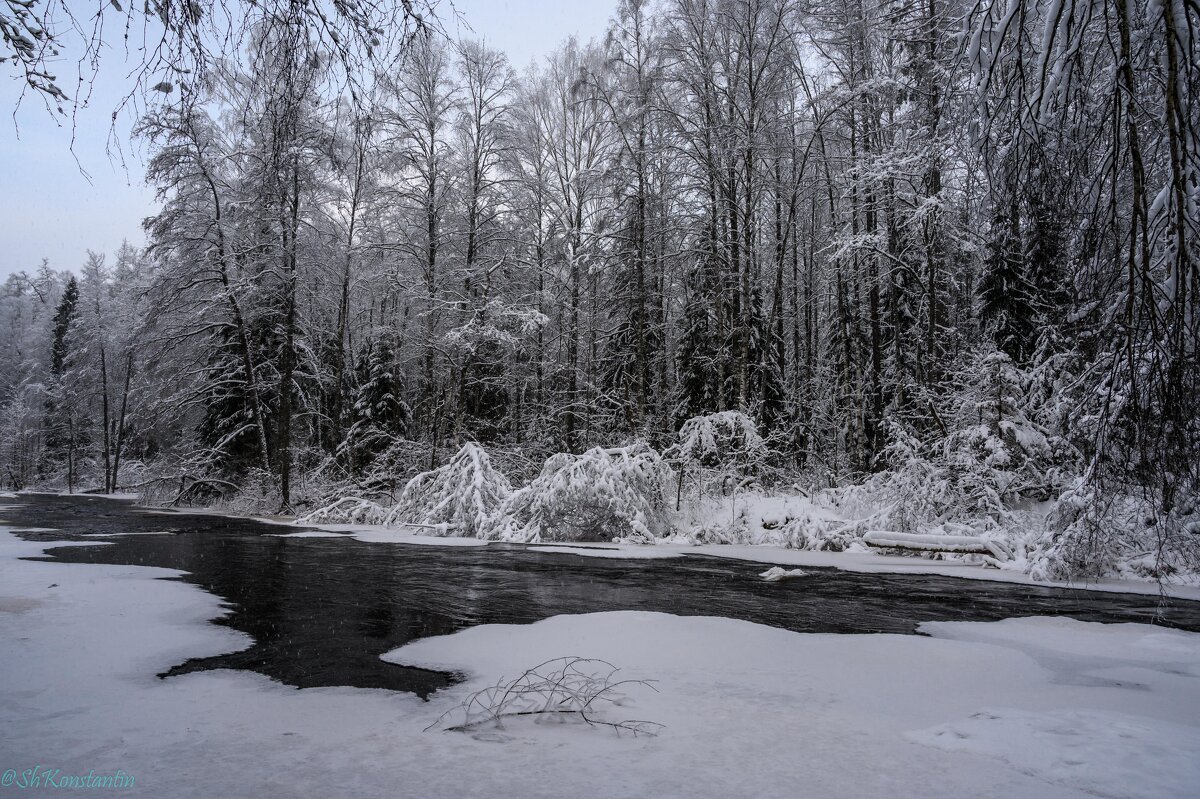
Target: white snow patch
(1103,754)
(777,573)
(631,552)
(118,535)
(389,536)
(377,534)
(1086,653)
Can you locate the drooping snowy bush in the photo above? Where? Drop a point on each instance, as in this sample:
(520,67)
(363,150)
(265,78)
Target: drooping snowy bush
(455,499)
(496,324)
(788,520)
(718,455)
(597,496)
(1093,534)
(927,486)
(725,439)
(391,469)
(347,510)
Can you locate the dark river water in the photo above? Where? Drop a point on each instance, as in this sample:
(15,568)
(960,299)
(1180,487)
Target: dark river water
(322,610)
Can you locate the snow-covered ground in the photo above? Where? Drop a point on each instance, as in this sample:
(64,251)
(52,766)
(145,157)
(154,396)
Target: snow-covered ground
(1029,708)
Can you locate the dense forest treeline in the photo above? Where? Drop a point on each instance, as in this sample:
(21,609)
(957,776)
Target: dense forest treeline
(887,232)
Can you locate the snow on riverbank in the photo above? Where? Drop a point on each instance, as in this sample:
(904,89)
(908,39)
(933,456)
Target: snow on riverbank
(873,563)
(1030,708)
(767,513)
(614,551)
(764,517)
(377,534)
(857,560)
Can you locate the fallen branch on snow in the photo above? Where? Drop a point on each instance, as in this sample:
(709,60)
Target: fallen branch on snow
(562,689)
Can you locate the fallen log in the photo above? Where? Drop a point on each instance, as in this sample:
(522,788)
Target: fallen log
(926,542)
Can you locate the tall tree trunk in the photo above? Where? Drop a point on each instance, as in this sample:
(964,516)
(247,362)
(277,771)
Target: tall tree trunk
(287,369)
(235,311)
(120,445)
(105,416)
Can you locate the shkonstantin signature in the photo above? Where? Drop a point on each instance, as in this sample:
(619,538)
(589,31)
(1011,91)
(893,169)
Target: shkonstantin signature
(43,777)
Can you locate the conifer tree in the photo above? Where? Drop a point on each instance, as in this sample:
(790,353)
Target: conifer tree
(379,415)
(63,433)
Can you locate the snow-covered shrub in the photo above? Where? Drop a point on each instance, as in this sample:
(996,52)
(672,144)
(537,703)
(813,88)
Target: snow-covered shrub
(819,528)
(722,453)
(1112,518)
(391,469)
(1093,533)
(522,463)
(929,485)
(132,472)
(597,496)
(347,510)
(728,439)
(788,520)
(457,498)
(257,492)
(988,458)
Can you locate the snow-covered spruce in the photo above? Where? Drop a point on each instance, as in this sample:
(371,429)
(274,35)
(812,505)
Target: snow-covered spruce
(605,493)
(456,499)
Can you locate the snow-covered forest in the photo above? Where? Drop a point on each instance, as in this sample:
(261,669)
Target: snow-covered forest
(749,271)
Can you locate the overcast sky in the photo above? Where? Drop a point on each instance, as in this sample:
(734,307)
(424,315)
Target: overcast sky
(50,209)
